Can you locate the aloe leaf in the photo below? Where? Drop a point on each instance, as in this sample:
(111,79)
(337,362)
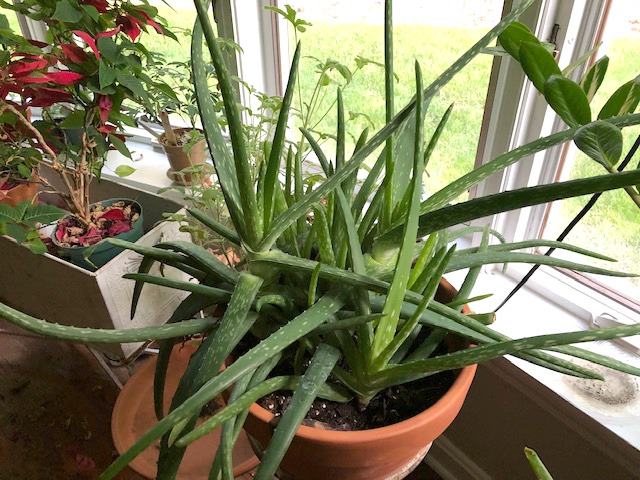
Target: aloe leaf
(300,326)
(208,359)
(472,356)
(507,247)
(592,79)
(387,326)
(252,220)
(601,141)
(222,158)
(322,362)
(538,64)
(213,294)
(511,200)
(624,100)
(538,468)
(215,226)
(277,146)
(100,335)
(568,100)
(568,70)
(597,358)
(203,259)
(389,97)
(426,253)
(323,236)
(188,308)
(489,258)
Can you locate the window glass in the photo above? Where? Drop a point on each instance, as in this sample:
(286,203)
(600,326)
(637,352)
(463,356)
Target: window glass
(351,34)
(612,226)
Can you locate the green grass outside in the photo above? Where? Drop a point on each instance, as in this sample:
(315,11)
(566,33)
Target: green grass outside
(613,225)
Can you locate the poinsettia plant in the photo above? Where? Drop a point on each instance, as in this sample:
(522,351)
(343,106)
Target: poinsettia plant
(91,62)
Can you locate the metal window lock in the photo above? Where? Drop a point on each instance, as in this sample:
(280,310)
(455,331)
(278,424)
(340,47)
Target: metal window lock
(606,320)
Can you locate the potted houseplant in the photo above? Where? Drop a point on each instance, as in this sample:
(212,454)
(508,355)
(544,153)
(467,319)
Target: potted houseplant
(91,64)
(351,292)
(184,146)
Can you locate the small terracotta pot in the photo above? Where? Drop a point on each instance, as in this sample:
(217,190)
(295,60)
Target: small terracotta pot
(26,190)
(390,452)
(133,414)
(179,159)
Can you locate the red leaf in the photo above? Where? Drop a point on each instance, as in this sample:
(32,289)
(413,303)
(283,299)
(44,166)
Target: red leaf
(151,22)
(118,228)
(105,105)
(45,96)
(109,33)
(60,232)
(130,26)
(89,40)
(113,214)
(106,129)
(74,53)
(24,67)
(37,43)
(90,238)
(100,5)
(64,78)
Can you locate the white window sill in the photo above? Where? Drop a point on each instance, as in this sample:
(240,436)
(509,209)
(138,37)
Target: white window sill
(529,313)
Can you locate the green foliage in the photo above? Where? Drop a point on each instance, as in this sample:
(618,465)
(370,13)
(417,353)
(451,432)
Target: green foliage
(339,270)
(22,223)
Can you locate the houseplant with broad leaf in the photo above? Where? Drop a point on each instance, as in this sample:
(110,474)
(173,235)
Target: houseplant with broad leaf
(91,62)
(339,281)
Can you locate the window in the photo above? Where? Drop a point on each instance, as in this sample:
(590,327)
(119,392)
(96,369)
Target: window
(612,225)
(344,47)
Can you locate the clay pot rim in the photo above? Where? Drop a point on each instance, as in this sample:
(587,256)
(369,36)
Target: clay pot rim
(455,395)
(162,137)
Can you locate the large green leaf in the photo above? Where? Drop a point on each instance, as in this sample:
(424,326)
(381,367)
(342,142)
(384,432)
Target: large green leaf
(568,100)
(593,78)
(513,36)
(623,101)
(537,63)
(601,141)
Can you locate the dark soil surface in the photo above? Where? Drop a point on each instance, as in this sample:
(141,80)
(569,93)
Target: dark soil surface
(390,406)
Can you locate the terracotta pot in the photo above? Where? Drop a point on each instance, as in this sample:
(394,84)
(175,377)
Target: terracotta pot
(133,415)
(179,159)
(390,452)
(26,190)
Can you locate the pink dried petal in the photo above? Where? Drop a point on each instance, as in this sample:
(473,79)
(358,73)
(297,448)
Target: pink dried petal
(118,228)
(113,214)
(60,232)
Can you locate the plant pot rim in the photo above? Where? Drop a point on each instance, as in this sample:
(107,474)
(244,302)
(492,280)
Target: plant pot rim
(162,137)
(455,394)
(112,200)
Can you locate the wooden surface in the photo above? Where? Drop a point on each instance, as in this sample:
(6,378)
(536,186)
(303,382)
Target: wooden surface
(55,411)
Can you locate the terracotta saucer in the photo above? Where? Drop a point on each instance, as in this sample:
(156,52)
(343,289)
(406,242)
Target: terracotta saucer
(133,415)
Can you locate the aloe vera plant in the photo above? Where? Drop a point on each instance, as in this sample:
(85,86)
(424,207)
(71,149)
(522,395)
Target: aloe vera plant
(356,281)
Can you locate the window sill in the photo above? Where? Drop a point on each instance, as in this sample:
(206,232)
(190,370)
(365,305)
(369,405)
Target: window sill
(531,313)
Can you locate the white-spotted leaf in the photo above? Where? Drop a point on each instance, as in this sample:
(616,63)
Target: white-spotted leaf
(568,100)
(601,141)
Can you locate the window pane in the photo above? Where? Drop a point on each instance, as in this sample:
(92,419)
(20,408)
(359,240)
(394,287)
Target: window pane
(434,34)
(612,226)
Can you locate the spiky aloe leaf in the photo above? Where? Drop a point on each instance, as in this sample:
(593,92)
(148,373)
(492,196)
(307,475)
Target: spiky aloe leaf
(248,200)
(300,326)
(324,359)
(208,359)
(100,335)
